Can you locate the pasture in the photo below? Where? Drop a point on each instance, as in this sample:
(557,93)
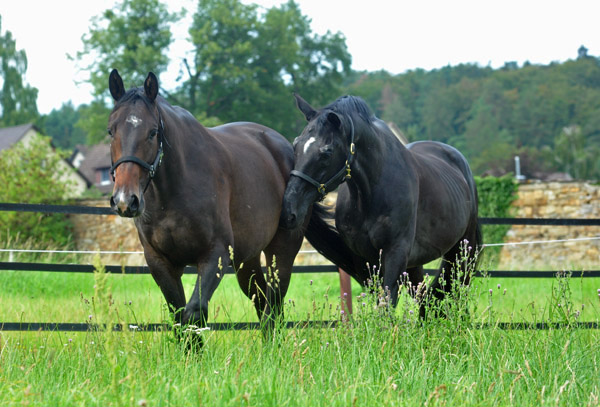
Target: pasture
(367,361)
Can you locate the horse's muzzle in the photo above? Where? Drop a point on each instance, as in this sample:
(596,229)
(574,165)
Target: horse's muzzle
(126,206)
(288,221)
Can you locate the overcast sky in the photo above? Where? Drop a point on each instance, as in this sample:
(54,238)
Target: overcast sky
(395,35)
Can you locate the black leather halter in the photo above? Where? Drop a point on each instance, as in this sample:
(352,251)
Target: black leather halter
(344,173)
(151,168)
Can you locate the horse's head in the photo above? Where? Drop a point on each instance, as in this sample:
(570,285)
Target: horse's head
(323,154)
(136,130)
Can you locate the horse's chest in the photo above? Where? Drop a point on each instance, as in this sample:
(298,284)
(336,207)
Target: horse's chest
(178,241)
(354,230)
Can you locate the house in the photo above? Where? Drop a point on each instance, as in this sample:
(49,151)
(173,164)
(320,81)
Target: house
(26,133)
(93,162)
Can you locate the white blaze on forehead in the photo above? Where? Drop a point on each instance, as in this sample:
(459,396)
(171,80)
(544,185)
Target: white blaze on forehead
(134,120)
(308,143)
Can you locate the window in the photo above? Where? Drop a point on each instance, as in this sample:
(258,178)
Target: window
(103,174)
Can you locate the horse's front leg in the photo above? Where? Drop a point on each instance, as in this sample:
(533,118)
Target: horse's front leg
(168,278)
(210,272)
(394,261)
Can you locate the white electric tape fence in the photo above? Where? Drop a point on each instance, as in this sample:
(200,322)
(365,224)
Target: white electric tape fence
(102,252)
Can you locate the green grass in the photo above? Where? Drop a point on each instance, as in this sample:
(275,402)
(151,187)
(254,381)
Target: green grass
(369,361)
(66,297)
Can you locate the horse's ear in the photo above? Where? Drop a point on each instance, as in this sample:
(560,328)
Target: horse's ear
(304,107)
(334,119)
(115,84)
(151,86)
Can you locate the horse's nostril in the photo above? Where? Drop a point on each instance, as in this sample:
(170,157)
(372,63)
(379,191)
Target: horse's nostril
(291,219)
(113,204)
(134,204)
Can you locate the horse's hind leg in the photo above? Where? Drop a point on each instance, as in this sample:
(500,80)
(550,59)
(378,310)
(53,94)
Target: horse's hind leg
(280,254)
(252,282)
(415,286)
(455,270)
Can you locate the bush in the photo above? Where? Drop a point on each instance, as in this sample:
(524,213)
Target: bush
(496,194)
(31,173)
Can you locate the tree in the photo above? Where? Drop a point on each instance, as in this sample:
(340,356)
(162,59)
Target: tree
(132,37)
(18,101)
(60,126)
(247,65)
(31,173)
(574,156)
(486,142)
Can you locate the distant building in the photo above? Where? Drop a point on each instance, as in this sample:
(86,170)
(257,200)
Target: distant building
(93,162)
(10,136)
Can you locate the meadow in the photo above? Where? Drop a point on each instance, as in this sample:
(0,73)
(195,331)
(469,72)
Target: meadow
(371,359)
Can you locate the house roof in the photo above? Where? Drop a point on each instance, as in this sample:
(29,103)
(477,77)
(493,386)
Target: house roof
(11,135)
(95,157)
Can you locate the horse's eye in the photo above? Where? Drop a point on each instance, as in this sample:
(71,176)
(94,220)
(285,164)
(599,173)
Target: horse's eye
(325,152)
(153,133)
(110,133)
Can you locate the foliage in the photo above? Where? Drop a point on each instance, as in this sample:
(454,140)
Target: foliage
(59,124)
(493,115)
(32,174)
(133,37)
(496,194)
(92,121)
(574,154)
(246,65)
(18,101)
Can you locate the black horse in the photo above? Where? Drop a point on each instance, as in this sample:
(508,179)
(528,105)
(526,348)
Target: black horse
(399,207)
(197,193)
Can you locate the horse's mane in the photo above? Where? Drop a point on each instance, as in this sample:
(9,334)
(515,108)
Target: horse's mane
(351,106)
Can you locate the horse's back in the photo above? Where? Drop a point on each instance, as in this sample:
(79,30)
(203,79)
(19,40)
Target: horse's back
(440,161)
(446,153)
(247,140)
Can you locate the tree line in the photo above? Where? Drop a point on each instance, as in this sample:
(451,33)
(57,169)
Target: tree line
(246,62)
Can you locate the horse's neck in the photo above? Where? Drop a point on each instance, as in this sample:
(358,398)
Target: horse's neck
(374,149)
(367,166)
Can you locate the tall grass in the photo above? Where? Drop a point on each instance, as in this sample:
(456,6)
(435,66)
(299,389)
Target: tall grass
(377,357)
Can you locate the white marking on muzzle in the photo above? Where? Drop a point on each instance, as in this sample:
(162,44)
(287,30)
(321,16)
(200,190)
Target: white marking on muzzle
(121,201)
(308,143)
(134,120)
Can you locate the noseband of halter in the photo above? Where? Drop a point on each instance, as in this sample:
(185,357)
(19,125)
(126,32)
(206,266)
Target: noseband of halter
(151,168)
(344,173)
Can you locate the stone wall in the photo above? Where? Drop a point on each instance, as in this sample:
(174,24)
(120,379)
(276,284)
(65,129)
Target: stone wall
(107,233)
(535,200)
(554,200)
(114,233)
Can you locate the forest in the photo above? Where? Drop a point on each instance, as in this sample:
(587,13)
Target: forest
(247,62)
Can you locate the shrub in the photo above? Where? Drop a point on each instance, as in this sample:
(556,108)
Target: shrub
(31,173)
(496,194)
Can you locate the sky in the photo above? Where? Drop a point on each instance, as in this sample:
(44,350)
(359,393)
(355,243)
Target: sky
(394,35)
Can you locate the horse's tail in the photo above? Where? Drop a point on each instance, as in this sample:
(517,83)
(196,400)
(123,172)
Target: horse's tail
(325,238)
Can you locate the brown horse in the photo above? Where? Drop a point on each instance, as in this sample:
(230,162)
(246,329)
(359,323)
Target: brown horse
(203,197)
